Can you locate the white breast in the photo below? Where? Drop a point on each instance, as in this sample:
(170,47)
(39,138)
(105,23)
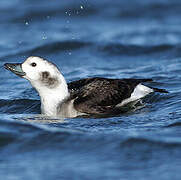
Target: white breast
(67,109)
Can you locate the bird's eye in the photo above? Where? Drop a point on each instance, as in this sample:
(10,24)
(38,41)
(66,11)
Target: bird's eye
(33,64)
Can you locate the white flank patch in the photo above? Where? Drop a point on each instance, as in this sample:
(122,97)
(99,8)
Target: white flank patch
(139,92)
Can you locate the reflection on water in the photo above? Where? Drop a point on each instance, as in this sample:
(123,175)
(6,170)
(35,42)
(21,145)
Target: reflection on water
(39,118)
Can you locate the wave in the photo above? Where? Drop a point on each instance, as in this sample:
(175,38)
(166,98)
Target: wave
(29,135)
(21,106)
(106,48)
(110,48)
(52,47)
(130,50)
(120,9)
(39,14)
(175,124)
(149,142)
(60,46)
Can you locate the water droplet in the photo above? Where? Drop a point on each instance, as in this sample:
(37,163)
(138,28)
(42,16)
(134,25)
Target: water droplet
(81,7)
(26,23)
(44,37)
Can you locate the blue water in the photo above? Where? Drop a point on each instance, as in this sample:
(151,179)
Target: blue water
(86,38)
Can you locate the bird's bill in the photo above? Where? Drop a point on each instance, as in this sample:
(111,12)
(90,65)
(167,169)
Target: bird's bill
(15,68)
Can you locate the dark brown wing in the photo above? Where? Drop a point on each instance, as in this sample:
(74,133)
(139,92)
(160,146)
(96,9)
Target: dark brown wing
(101,95)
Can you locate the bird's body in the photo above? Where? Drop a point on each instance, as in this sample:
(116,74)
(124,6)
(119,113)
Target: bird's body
(90,96)
(105,96)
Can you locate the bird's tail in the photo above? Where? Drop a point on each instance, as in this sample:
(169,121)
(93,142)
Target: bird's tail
(155,89)
(160,90)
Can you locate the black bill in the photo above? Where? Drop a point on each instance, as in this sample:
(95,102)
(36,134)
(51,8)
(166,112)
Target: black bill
(15,68)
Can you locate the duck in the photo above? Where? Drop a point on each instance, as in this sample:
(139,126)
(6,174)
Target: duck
(85,97)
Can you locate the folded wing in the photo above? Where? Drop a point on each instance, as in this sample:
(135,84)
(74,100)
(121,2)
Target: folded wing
(101,95)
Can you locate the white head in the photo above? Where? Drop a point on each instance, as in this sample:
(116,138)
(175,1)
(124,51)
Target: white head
(45,77)
(41,72)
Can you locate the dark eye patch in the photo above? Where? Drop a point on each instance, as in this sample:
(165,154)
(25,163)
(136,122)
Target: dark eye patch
(48,81)
(45,74)
(33,64)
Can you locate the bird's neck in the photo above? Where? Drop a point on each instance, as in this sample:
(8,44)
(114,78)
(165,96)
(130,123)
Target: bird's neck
(51,99)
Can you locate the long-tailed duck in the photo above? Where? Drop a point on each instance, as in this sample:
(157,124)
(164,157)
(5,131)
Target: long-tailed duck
(90,96)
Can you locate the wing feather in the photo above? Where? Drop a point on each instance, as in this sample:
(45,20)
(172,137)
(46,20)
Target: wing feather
(101,95)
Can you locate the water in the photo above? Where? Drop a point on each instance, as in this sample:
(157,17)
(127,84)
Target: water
(86,38)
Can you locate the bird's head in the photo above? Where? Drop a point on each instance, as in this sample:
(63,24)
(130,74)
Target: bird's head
(37,71)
